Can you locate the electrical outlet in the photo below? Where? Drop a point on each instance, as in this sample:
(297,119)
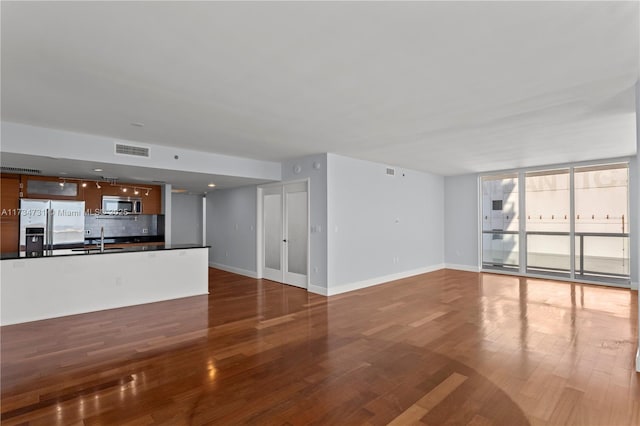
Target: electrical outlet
(145,230)
(87,231)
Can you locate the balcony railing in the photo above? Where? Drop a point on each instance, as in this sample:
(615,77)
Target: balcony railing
(500,249)
(597,255)
(604,262)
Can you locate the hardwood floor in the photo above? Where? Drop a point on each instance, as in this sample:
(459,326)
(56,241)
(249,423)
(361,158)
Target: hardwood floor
(447,347)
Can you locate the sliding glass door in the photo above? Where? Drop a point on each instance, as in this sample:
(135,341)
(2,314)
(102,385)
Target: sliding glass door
(547,201)
(575,222)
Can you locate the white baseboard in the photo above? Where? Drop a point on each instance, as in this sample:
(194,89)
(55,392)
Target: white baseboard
(457,267)
(381,280)
(634,285)
(239,271)
(318,290)
(638,361)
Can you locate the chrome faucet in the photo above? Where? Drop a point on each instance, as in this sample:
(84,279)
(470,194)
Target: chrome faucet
(102,239)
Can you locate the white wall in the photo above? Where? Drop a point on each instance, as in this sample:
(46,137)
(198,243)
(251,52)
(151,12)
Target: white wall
(231,229)
(461,222)
(186,219)
(636,223)
(381,227)
(314,167)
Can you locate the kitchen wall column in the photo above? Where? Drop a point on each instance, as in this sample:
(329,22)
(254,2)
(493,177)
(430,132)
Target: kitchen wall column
(166,208)
(204,220)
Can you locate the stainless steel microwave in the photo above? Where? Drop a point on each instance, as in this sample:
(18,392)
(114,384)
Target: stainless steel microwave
(121,205)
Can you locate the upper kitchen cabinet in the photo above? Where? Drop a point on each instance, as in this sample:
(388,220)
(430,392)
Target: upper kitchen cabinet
(92,196)
(54,188)
(152,204)
(9,220)
(49,188)
(108,189)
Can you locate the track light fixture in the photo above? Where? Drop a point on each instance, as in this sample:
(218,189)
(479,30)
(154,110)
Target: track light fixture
(136,189)
(123,188)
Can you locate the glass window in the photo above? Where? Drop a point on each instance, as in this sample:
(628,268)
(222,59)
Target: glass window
(602,220)
(598,222)
(500,240)
(548,221)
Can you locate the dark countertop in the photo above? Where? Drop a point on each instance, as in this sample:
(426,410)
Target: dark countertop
(85,252)
(124,240)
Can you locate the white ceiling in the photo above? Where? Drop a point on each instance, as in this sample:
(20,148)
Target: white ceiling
(444,87)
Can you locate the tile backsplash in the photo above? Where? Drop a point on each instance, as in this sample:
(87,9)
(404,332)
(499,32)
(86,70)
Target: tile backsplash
(124,226)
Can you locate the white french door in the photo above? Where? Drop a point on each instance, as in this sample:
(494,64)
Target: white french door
(285,233)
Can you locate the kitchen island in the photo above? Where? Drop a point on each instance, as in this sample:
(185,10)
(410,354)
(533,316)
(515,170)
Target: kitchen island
(72,281)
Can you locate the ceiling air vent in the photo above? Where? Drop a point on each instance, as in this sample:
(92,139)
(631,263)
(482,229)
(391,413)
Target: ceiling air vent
(391,171)
(138,151)
(20,170)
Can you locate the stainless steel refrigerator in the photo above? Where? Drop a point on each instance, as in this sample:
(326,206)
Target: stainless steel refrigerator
(63,222)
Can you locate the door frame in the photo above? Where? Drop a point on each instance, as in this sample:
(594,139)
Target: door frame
(259,226)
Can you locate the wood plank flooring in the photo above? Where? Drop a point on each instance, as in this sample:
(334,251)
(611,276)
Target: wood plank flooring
(447,347)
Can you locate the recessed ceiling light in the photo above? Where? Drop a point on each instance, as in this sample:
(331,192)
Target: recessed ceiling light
(137,124)
(97,170)
(211,185)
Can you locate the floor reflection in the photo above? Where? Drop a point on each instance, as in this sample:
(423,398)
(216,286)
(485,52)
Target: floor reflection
(508,350)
